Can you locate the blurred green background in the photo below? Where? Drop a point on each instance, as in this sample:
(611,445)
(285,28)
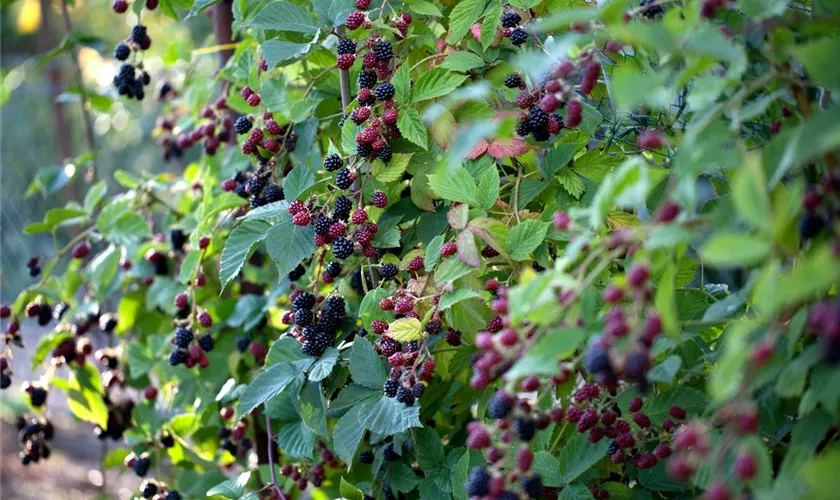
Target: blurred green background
(42,128)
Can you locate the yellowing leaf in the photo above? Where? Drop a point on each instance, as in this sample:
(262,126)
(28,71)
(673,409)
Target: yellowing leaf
(405,330)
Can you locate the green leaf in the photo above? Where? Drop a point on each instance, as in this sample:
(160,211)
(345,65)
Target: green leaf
(462,17)
(387,416)
(333,12)
(815,57)
(299,180)
(435,83)
(451,270)
(348,137)
(296,440)
(424,8)
(626,187)
(279,51)
(524,238)
(666,370)
(428,449)
(557,343)
(102,270)
(575,491)
(232,488)
(666,302)
(688,398)
(491,231)
(238,247)
(285,350)
(289,245)
(266,385)
(369,309)
(393,170)
(37,227)
(462,61)
(488,188)
(492,18)
(313,410)
(94,195)
(449,299)
(348,432)
(115,458)
(189,266)
(347,490)
(405,330)
(59,216)
(575,458)
(735,250)
(411,127)
(455,185)
(402,83)
(571,182)
(46,344)
(84,394)
(365,366)
(749,193)
(322,368)
(433,252)
(283,16)
(557,158)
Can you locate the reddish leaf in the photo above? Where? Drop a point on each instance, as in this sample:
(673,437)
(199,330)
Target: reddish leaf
(507,148)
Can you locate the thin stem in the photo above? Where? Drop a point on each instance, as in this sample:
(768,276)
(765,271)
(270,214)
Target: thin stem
(271,459)
(91,144)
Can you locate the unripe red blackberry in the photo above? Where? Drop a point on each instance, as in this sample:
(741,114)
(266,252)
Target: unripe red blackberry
(668,212)
(478,438)
(638,275)
(642,420)
(650,139)
(448,248)
(677,412)
(404,305)
(378,327)
(679,468)
(355,20)
(379,199)
(746,466)
(573,114)
(5,311)
(747,421)
(254,100)
(717,490)
(301,218)
(205,320)
(453,338)
(612,294)
(81,250)
(150,393)
(635,404)
(359,216)
(119,6)
(416,264)
(181,300)
(531,383)
(386,304)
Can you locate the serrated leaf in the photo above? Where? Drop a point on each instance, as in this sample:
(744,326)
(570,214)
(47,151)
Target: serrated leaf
(296,439)
(298,181)
(455,185)
(189,266)
(424,8)
(462,61)
(283,16)
(265,386)
(401,83)
(433,252)
(387,416)
(571,182)
(575,458)
(462,17)
(365,366)
(333,12)
(509,147)
(231,488)
(490,23)
(435,83)
(411,127)
(393,170)
(348,432)
(347,490)
(405,330)
(238,247)
(524,238)
(557,158)
(289,245)
(279,51)
(271,212)
(322,367)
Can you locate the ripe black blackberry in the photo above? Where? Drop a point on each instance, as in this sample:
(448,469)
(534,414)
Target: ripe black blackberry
(333,269)
(477,483)
(316,344)
(518,36)
(384,91)
(810,225)
(37,396)
(511,20)
(5,380)
(362,332)
(148,489)
(304,300)
(364,149)
(366,457)
(333,162)
(532,486)
(405,396)
(242,125)
(342,247)
(523,128)
(390,453)
(328,322)
(537,117)
(303,317)
(177,356)
(297,273)
(322,225)
(342,208)
(342,179)
(257,201)
(367,79)
(379,251)
(412,346)
(141,466)
(183,337)
(242,343)
(513,81)
(346,46)
(335,306)
(500,405)
(388,271)
(652,11)
(433,327)
(173,495)
(382,50)
(525,428)
(391,387)
(274,193)
(138,34)
(256,185)
(540,134)
(121,52)
(167,440)
(206,343)
(418,389)
(45,314)
(177,238)
(385,153)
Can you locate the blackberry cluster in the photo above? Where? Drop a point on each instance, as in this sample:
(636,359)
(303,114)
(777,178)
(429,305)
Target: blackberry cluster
(513,81)
(511,20)
(119,419)
(233,439)
(127,81)
(539,124)
(34,432)
(342,208)
(213,128)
